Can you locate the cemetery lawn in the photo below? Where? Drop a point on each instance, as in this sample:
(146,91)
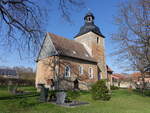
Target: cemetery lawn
(122,101)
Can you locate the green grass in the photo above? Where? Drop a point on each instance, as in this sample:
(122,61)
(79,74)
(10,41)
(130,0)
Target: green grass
(122,101)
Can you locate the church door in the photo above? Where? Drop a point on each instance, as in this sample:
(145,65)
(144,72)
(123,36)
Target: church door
(76,84)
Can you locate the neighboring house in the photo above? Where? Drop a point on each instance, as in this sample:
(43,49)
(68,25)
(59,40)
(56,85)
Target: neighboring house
(135,77)
(74,63)
(133,80)
(121,80)
(138,81)
(8,73)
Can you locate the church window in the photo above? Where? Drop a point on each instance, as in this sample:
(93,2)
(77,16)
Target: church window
(67,71)
(89,19)
(97,40)
(80,70)
(90,72)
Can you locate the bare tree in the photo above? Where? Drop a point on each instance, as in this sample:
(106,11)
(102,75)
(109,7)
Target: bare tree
(20,17)
(22,21)
(133,36)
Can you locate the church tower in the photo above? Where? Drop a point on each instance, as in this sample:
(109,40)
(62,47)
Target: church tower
(93,40)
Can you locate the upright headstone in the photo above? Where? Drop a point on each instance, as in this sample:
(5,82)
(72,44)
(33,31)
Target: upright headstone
(60,97)
(43,93)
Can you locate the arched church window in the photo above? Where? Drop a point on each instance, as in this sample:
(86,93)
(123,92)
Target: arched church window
(90,72)
(80,70)
(67,71)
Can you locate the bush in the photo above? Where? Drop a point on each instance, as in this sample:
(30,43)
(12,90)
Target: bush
(100,91)
(114,87)
(72,94)
(146,92)
(52,95)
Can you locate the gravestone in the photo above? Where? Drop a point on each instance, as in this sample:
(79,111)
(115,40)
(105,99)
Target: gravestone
(60,97)
(43,93)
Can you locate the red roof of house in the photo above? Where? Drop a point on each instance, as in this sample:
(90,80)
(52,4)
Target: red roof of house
(118,76)
(136,74)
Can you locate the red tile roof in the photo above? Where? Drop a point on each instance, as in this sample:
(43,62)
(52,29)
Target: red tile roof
(118,76)
(135,74)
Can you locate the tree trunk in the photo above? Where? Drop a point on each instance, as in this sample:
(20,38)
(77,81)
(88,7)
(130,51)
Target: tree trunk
(143,83)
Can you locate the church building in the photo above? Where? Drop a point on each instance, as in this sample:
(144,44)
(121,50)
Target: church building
(74,64)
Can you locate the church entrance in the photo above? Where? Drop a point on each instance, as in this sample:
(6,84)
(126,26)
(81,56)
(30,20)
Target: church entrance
(76,84)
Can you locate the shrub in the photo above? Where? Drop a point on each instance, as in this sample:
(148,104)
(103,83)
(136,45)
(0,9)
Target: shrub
(52,95)
(72,94)
(146,92)
(114,87)
(100,91)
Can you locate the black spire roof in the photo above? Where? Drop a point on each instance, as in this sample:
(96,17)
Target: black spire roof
(89,25)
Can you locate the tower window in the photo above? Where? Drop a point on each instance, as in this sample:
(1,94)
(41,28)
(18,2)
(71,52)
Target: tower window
(89,19)
(97,39)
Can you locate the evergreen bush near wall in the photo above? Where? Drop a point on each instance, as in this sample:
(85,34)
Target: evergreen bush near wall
(100,91)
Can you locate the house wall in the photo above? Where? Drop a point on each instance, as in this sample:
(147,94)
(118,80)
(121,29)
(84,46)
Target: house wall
(45,72)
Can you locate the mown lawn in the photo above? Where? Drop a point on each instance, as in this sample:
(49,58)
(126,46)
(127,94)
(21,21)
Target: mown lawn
(122,101)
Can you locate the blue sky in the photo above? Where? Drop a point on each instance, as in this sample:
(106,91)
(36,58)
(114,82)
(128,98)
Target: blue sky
(104,12)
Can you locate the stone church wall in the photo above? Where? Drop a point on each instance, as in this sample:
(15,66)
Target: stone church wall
(95,46)
(45,72)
